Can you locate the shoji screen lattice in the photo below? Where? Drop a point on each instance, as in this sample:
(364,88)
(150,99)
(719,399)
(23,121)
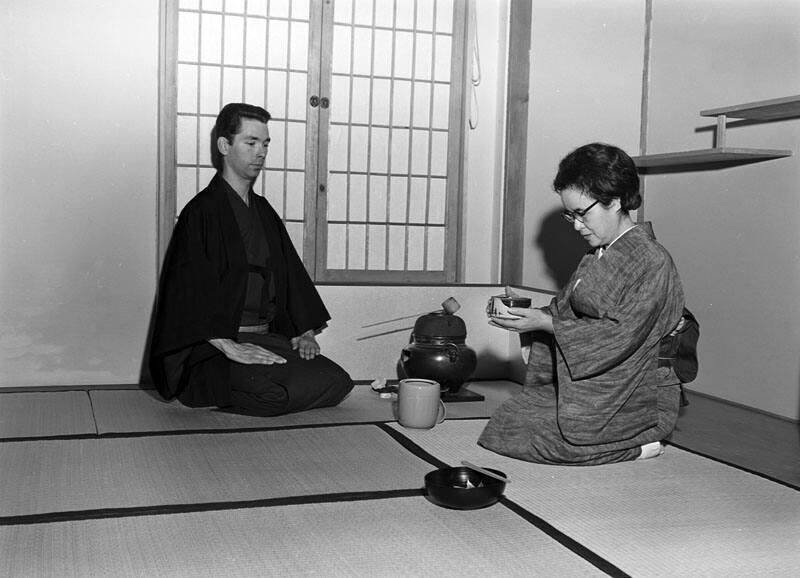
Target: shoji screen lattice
(244,51)
(366,98)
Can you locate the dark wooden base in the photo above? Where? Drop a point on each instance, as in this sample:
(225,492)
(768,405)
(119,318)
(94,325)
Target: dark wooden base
(462,394)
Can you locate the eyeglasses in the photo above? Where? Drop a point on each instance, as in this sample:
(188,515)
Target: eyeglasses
(577,214)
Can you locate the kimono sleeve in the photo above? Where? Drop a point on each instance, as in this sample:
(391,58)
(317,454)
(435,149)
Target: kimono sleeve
(193,303)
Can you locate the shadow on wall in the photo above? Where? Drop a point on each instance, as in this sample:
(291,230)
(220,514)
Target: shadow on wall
(562,248)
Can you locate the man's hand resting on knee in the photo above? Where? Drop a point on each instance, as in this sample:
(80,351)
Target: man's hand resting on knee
(248,353)
(306,345)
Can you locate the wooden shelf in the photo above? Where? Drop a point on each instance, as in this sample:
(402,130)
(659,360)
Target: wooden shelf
(709,156)
(774,109)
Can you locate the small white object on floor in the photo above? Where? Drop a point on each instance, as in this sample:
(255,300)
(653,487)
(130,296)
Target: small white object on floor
(651,450)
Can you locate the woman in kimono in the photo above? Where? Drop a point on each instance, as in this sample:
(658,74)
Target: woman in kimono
(594,391)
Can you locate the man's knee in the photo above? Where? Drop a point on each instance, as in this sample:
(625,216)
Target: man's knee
(335,379)
(270,401)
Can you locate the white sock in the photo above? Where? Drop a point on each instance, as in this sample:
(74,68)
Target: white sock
(651,450)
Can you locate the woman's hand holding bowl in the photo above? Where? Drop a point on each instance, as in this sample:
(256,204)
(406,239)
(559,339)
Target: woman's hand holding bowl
(528,320)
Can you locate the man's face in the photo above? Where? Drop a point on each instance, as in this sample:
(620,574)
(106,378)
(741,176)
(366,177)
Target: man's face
(245,156)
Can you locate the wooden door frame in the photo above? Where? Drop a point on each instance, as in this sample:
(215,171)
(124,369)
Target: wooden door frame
(516,144)
(167,109)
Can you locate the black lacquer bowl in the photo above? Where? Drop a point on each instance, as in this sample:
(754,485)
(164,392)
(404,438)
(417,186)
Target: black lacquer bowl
(462,488)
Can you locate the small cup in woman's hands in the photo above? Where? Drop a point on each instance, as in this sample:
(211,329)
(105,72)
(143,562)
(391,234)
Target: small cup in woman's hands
(499,304)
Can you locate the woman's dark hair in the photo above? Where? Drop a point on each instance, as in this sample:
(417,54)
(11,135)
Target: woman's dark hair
(229,123)
(603,172)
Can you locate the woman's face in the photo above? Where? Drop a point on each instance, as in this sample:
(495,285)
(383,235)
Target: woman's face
(600,225)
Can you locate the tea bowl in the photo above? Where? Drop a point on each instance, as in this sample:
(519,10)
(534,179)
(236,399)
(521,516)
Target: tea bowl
(462,488)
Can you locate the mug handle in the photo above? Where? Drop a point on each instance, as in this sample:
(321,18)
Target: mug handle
(444,412)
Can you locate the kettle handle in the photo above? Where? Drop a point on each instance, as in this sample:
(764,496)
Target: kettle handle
(452,352)
(405,355)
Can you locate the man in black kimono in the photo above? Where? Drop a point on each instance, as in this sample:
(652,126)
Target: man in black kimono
(237,313)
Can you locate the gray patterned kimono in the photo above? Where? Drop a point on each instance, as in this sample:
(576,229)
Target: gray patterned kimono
(593,391)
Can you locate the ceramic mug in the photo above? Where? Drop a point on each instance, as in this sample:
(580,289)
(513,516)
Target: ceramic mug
(419,403)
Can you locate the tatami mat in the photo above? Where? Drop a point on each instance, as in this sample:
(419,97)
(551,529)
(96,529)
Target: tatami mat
(677,515)
(159,493)
(393,537)
(48,476)
(42,414)
(118,411)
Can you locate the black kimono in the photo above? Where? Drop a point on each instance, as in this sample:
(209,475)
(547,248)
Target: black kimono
(594,392)
(201,297)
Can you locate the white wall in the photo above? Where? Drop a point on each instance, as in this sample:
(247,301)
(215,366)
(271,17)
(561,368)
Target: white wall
(585,76)
(78,115)
(484,170)
(734,232)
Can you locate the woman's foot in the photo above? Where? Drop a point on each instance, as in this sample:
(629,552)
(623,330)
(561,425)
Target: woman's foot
(651,450)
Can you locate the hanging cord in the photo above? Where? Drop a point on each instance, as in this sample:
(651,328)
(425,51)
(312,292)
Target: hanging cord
(476,70)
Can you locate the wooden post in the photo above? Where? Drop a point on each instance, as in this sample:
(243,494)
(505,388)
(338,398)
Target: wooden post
(519,40)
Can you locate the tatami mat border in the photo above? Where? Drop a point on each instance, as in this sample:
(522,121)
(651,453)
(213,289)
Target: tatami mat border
(735,466)
(136,511)
(411,446)
(182,432)
(572,545)
(84,436)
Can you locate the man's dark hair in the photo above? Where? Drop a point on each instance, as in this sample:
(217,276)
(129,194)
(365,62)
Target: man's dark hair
(229,123)
(603,172)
